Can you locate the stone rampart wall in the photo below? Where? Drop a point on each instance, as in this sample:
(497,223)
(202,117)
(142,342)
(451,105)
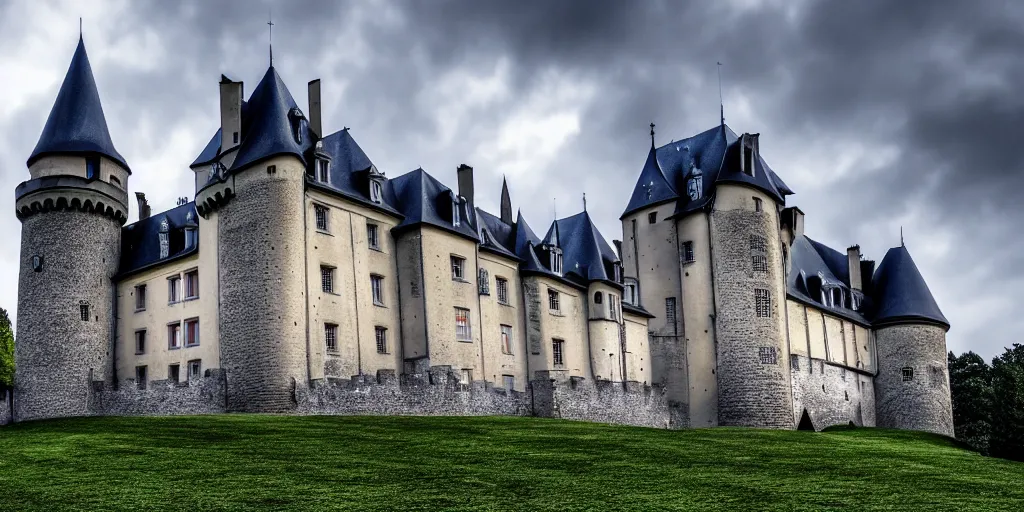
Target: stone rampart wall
(832,395)
(205,395)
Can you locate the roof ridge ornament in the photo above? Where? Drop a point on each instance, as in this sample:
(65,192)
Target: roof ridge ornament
(721,102)
(270,39)
(652,135)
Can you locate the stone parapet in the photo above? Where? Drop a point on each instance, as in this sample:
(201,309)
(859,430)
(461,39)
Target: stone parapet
(204,395)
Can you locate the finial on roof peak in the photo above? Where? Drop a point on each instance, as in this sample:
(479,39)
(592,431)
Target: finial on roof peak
(652,134)
(721,103)
(79,28)
(584,201)
(901,237)
(270,23)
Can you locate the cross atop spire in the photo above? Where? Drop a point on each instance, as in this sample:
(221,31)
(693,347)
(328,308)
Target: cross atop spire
(270,23)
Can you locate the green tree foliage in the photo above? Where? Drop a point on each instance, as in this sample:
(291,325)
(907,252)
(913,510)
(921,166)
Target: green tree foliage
(6,351)
(1008,404)
(970,383)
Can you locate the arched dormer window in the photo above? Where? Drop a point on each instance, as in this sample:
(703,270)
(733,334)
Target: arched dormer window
(695,183)
(749,151)
(190,231)
(321,164)
(456,210)
(376,185)
(556,260)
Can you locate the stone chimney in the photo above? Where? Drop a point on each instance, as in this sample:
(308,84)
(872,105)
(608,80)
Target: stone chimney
(315,122)
(230,113)
(143,205)
(465,173)
(853,259)
(793,219)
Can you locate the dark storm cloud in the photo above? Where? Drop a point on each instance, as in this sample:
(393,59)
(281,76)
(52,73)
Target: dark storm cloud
(935,80)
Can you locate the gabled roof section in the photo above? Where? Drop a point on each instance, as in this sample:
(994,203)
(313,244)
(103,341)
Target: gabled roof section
(350,171)
(140,242)
(424,200)
(269,122)
(761,180)
(585,253)
(807,263)
(495,235)
(651,187)
(76,124)
(901,293)
(704,151)
(524,236)
(837,262)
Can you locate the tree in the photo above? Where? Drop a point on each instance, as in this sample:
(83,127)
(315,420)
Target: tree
(970,384)
(6,351)
(1008,404)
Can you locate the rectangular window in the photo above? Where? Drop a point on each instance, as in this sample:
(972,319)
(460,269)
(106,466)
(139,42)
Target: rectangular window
(652,217)
(83,310)
(173,372)
(688,252)
(758,244)
(321,218)
(192,284)
(377,288)
(192,332)
(371,236)
(140,377)
(381,335)
(613,307)
(327,278)
(502,284)
(508,382)
(763,302)
(173,285)
(174,336)
(557,353)
(458,268)
(908,374)
(629,292)
(462,328)
(768,355)
(506,339)
(140,342)
(553,302)
(140,297)
(465,379)
(760,263)
(757,204)
(331,337)
(794,362)
(195,368)
(670,311)
(556,261)
(376,192)
(323,170)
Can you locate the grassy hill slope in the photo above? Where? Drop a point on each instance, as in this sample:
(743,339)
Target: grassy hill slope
(382,463)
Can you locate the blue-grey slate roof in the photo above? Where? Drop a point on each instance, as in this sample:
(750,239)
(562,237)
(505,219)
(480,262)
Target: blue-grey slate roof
(76,124)
(585,253)
(838,263)
(900,292)
(140,242)
(268,128)
(807,261)
(350,172)
(495,235)
(424,200)
(707,151)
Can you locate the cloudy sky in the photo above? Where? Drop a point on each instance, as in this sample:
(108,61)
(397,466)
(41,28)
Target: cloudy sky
(878,114)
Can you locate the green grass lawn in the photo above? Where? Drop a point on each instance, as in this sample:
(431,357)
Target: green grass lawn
(380,463)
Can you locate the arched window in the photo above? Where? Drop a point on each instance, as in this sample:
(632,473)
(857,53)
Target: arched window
(598,297)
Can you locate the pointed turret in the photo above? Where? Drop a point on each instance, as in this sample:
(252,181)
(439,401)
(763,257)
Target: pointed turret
(652,188)
(506,203)
(76,125)
(901,292)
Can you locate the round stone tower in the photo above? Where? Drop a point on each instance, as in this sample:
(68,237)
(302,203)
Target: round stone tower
(912,386)
(748,280)
(259,195)
(71,209)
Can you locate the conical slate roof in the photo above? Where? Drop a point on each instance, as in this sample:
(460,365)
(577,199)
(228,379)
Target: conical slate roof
(585,252)
(651,187)
(76,124)
(269,124)
(901,293)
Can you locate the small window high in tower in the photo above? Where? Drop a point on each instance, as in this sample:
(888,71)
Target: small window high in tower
(749,153)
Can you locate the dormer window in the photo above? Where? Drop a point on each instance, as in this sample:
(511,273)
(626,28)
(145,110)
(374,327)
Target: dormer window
(695,184)
(456,211)
(376,191)
(165,242)
(556,260)
(748,147)
(323,170)
(296,116)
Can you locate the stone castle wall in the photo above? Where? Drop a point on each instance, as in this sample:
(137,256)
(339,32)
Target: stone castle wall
(58,354)
(205,395)
(831,395)
(923,402)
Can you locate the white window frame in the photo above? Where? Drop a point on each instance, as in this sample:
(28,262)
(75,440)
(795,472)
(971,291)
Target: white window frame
(174,335)
(323,170)
(507,339)
(458,268)
(377,289)
(373,236)
(191,291)
(463,325)
(195,369)
(195,341)
(174,289)
(554,301)
(376,191)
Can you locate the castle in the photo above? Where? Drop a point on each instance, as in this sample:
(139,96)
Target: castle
(303,279)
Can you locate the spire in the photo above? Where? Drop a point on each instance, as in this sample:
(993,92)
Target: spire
(584,201)
(506,203)
(721,103)
(270,40)
(901,237)
(901,294)
(76,124)
(652,135)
